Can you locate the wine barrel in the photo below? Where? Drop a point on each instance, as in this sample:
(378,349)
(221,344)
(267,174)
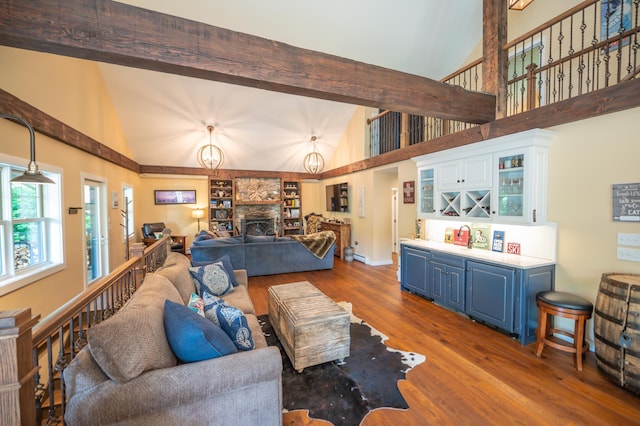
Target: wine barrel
(617,329)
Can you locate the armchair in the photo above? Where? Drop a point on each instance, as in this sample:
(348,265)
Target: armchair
(149,231)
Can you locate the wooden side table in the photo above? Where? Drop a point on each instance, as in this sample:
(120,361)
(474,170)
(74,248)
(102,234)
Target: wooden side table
(343,235)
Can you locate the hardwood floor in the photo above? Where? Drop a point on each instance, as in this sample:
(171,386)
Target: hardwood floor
(472,374)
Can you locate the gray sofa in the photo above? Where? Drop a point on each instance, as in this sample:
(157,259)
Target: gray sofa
(151,387)
(263,255)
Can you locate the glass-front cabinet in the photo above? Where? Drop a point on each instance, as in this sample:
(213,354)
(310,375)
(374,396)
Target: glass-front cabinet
(499,180)
(427,180)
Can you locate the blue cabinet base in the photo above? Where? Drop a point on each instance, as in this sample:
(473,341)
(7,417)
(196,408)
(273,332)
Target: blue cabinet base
(499,296)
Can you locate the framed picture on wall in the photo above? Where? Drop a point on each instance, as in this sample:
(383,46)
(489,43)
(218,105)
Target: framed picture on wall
(175,196)
(408,192)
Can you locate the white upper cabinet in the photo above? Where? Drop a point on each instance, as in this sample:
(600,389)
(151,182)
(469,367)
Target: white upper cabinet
(470,173)
(500,180)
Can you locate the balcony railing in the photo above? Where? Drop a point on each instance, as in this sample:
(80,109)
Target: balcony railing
(589,47)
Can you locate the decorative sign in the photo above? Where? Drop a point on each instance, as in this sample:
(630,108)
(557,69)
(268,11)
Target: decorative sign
(498,241)
(408,191)
(513,248)
(626,202)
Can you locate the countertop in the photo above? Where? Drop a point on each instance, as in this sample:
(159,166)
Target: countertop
(514,260)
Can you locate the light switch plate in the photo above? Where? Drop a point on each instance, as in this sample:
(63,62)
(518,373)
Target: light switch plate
(628,239)
(630,254)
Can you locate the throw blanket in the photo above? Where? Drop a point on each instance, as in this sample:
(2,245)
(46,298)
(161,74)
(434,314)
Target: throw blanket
(317,243)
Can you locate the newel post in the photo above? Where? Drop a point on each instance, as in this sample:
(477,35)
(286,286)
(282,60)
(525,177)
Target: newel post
(17,399)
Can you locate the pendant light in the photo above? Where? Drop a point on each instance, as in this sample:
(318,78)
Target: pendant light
(313,161)
(210,156)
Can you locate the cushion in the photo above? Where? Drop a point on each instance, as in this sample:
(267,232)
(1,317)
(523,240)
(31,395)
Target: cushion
(228,267)
(201,237)
(212,277)
(260,238)
(192,337)
(179,275)
(240,298)
(231,319)
(220,241)
(133,340)
(196,304)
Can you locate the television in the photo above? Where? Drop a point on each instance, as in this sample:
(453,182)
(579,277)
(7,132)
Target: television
(338,197)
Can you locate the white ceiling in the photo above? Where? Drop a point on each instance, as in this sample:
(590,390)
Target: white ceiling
(164,117)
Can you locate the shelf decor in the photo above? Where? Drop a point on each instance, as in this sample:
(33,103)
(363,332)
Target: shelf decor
(175,196)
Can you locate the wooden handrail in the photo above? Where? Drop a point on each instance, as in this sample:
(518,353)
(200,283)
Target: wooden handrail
(378,116)
(549,23)
(462,70)
(54,320)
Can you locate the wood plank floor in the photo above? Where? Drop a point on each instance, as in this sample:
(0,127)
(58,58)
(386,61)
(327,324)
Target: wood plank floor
(473,375)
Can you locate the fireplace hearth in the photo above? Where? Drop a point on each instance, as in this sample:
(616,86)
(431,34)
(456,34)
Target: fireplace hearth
(257,226)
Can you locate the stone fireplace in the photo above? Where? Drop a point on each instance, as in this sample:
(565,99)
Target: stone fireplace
(258,219)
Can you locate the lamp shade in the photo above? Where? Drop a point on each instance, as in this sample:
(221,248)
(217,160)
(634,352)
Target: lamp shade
(197,213)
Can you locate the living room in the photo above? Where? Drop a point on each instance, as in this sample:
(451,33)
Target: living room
(585,158)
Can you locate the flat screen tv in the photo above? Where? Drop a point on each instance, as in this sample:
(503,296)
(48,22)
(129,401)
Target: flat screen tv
(338,197)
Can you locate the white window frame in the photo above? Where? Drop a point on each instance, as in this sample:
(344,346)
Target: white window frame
(53,244)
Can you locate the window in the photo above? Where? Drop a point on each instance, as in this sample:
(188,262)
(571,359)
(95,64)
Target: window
(127,206)
(30,222)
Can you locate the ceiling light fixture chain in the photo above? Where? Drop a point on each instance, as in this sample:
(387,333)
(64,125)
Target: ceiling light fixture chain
(313,161)
(210,156)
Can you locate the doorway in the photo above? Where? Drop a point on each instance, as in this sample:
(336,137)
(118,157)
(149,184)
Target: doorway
(95,230)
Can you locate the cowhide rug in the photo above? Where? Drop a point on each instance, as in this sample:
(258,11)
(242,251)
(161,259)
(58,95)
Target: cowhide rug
(343,393)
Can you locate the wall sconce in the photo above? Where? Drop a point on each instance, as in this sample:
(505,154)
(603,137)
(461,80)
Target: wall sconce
(313,161)
(518,4)
(197,213)
(32,174)
(210,156)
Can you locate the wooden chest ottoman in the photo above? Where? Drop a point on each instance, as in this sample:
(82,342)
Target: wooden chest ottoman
(311,327)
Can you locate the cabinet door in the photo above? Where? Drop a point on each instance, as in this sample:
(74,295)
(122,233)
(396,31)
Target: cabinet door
(449,175)
(455,288)
(438,281)
(416,271)
(477,172)
(491,294)
(426,182)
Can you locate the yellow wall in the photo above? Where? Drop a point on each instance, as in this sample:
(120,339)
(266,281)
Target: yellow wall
(177,217)
(72,91)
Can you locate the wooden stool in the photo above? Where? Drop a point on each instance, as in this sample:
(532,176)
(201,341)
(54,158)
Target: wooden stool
(564,305)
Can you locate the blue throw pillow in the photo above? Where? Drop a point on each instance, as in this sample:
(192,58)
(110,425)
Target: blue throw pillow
(231,319)
(193,338)
(212,277)
(228,267)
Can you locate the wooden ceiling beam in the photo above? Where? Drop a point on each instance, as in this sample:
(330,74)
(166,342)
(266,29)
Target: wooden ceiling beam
(112,32)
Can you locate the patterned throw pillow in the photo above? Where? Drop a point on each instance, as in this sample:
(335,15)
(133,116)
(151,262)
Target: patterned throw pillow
(212,277)
(196,304)
(230,319)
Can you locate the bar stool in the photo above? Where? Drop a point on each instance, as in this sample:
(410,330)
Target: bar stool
(564,305)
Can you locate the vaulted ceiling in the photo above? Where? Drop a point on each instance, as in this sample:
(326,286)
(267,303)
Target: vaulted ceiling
(164,116)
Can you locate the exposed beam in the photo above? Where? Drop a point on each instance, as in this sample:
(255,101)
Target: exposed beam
(50,126)
(112,32)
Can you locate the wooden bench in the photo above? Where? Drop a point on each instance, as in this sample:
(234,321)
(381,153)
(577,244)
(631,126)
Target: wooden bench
(311,327)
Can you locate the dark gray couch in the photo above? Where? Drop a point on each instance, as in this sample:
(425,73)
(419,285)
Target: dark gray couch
(261,255)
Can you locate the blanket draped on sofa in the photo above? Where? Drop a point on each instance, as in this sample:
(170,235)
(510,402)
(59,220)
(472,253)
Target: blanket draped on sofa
(317,243)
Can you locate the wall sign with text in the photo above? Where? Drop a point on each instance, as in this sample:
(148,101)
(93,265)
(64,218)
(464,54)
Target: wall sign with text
(626,202)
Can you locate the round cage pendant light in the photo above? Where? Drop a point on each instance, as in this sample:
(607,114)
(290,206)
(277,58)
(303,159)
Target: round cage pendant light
(210,156)
(313,161)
